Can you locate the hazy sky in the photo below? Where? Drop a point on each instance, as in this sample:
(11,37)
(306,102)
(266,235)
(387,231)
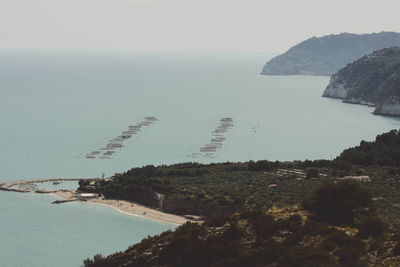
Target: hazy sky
(200,25)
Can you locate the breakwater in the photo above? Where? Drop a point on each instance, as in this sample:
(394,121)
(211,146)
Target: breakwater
(9,186)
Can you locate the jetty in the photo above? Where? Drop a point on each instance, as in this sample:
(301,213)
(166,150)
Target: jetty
(62,201)
(9,186)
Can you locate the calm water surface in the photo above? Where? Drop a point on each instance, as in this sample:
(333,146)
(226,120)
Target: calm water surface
(55,108)
(36,233)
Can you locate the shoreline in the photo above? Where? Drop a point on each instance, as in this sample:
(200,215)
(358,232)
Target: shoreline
(157,216)
(131,208)
(123,206)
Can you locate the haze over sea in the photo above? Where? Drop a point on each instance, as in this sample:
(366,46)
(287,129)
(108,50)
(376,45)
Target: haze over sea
(56,107)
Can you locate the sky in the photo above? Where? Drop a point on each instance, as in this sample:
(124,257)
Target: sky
(186,25)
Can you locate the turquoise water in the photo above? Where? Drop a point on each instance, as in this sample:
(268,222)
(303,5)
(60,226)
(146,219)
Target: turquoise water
(36,233)
(70,185)
(55,108)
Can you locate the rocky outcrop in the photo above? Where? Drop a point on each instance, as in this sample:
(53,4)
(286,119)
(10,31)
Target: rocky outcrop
(336,89)
(326,55)
(373,80)
(389,108)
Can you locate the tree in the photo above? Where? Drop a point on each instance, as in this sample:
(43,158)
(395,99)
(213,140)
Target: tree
(311,172)
(338,202)
(98,261)
(370,226)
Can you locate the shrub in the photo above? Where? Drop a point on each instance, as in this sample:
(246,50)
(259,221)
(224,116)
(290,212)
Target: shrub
(351,255)
(335,239)
(338,202)
(396,249)
(232,233)
(348,249)
(98,261)
(216,221)
(311,172)
(305,256)
(370,226)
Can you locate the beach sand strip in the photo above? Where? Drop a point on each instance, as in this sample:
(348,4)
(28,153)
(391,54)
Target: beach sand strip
(131,208)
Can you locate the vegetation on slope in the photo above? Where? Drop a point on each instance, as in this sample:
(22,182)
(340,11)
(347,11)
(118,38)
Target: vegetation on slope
(326,204)
(224,188)
(287,237)
(374,79)
(384,151)
(326,55)
(339,224)
(210,190)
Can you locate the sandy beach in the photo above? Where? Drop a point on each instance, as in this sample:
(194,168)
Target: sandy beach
(64,194)
(140,210)
(131,208)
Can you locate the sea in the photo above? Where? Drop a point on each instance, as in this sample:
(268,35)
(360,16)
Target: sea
(57,108)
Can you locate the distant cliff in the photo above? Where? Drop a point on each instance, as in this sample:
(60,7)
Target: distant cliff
(326,55)
(373,79)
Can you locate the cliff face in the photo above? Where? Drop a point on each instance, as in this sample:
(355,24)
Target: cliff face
(326,55)
(373,79)
(336,89)
(388,109)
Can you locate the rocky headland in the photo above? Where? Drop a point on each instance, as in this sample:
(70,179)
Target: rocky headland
(341,212)
(326,55)
(372,80)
